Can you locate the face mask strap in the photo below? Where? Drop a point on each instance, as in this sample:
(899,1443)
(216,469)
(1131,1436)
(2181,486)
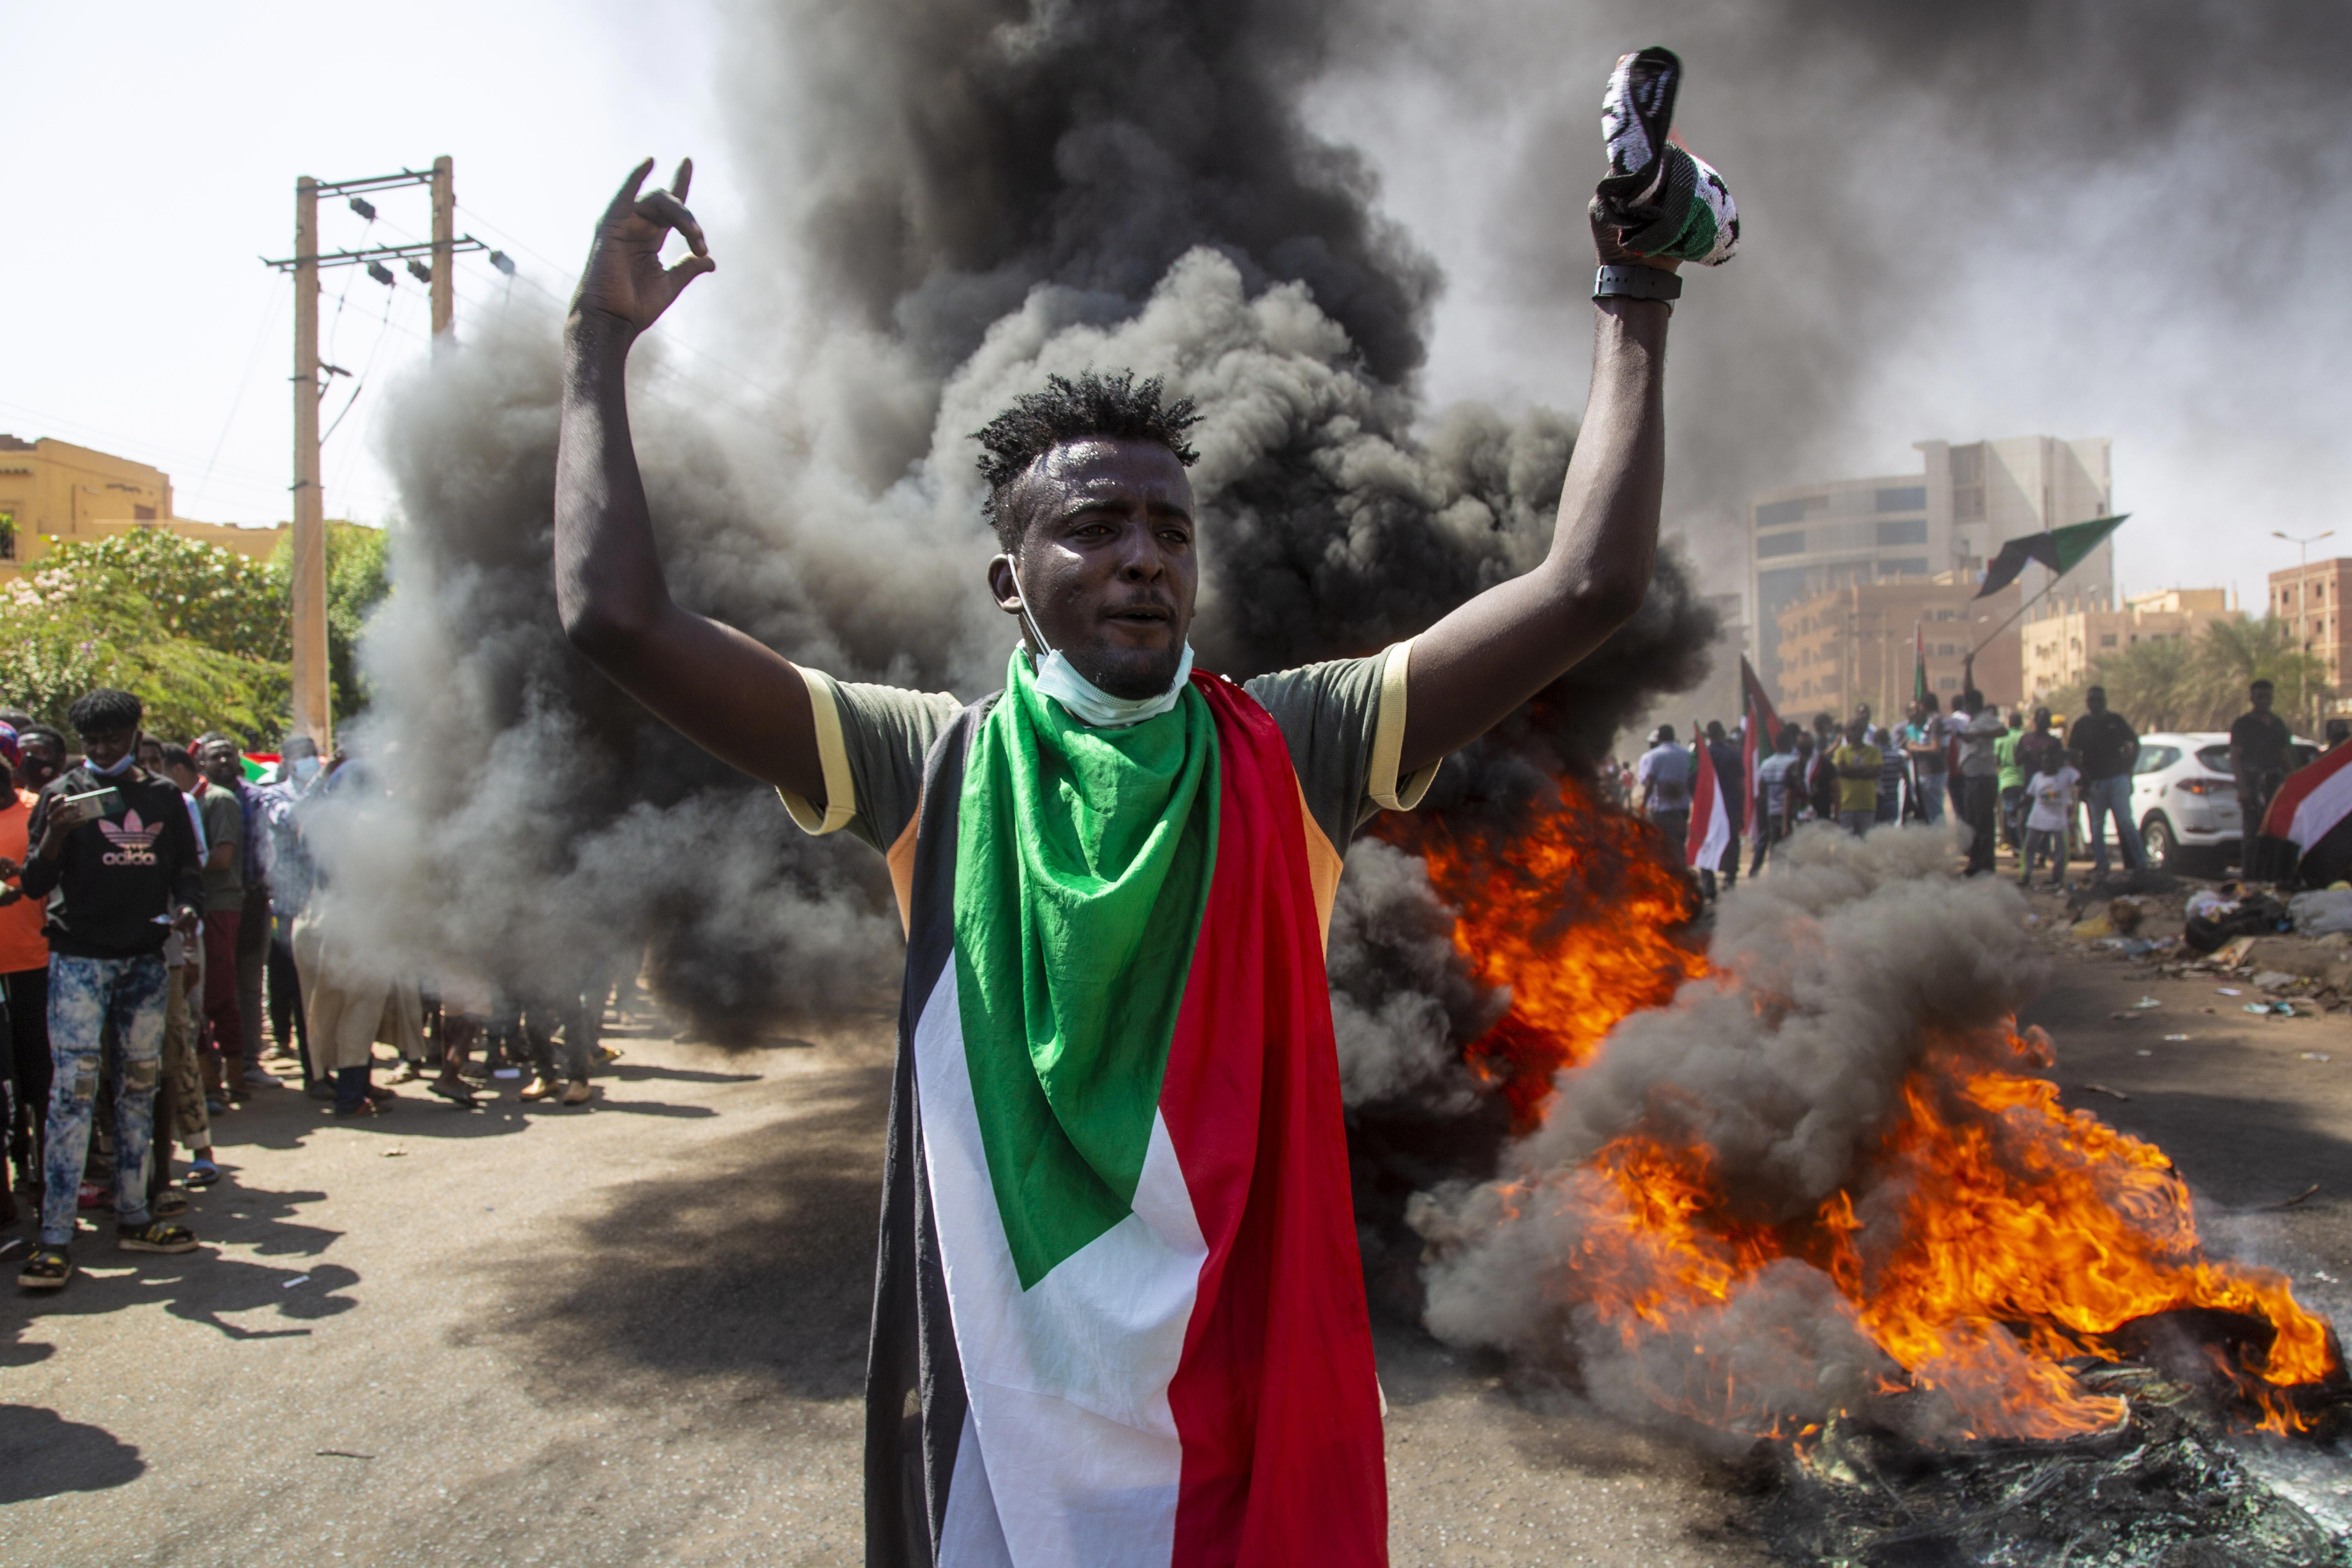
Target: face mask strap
(1026,619)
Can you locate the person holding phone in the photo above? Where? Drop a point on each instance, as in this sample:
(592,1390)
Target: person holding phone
(115,845)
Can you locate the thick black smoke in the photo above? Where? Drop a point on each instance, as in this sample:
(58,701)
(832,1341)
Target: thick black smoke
(972,196)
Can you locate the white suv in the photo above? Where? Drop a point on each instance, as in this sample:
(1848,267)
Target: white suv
(2185,800)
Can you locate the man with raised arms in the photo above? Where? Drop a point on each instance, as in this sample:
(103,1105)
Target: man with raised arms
(1120,1315)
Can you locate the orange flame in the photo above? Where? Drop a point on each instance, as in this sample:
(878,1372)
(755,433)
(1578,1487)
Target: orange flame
(2008,1234)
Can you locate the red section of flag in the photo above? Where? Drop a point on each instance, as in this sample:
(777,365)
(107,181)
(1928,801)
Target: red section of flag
(1275,1399)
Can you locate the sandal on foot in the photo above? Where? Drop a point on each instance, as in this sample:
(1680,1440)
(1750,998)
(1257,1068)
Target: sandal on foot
(168,1206)
(201,1173)
(155,1236)
(47,1270)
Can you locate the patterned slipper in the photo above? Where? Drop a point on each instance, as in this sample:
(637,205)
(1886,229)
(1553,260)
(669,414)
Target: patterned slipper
(1661,198)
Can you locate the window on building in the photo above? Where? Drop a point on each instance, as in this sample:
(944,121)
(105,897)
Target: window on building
(7,535)
(1968,503)
(1947,683)
(1774,514)
(142,513)
(2107,639)
(1914,567)
(1910,530)
(1903,498)
(1789,543)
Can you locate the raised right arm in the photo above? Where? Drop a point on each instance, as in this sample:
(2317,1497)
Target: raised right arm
(735,697)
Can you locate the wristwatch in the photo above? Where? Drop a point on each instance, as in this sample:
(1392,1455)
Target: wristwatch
(1636,282)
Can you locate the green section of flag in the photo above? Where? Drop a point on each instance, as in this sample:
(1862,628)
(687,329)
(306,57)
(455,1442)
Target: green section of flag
(2061,549)
(2076,539)
(1082,869)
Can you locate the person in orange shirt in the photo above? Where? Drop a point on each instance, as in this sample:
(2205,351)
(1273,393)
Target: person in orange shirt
(24,982)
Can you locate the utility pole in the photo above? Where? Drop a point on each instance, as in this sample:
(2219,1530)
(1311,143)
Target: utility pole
(444,236)
(312,712)
(313,706)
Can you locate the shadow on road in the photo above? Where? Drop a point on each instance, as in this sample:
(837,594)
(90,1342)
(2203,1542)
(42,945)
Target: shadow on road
(2242,1153)
(42,1455)
(756,1269)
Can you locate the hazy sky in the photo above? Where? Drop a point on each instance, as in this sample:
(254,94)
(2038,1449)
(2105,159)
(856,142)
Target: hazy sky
(153,149)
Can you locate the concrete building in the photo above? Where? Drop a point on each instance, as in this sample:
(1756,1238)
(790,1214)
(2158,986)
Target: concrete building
(1852,643)
(2311,600)
(2065,634)
(1953,515)
(53,492)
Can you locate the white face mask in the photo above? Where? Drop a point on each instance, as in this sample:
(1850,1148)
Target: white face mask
(1058,679)
(305,769)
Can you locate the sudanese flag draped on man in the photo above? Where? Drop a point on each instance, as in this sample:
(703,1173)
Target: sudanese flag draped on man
(1120,1316)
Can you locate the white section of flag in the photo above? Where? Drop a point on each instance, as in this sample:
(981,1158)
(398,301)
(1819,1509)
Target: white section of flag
(1710,825)
(2322,809)
(1069,1380)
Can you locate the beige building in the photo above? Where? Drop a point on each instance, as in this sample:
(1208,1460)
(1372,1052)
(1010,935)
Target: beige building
(53,492)
(1853,643)
(1952,516)
(2310,599)
(2065,634)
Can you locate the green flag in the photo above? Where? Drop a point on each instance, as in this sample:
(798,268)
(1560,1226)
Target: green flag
(2061,549)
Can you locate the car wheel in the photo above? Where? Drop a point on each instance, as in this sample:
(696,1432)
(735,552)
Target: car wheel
(2163,848)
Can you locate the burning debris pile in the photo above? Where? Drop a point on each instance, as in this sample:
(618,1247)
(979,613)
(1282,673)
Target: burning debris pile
(1831,1168)
(2161,1487)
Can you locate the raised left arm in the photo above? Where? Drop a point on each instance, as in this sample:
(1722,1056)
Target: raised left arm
(1495,652)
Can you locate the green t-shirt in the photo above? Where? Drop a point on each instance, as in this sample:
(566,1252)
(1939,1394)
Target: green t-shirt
(2004,752)
(224,824)
(1344,721)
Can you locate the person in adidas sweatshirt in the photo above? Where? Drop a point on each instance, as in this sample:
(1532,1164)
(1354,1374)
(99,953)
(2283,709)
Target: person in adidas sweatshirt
(115,857)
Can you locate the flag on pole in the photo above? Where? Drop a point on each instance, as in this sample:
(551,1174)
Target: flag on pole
(1919,664)
(1710,823)
(1761,734)
(2061,549)
(2313,812)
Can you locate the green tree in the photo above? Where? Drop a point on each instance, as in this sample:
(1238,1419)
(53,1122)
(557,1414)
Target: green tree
(191,628)
(358,577)
(2180,684)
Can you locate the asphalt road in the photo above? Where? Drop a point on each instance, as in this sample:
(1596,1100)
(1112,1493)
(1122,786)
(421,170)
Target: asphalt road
(634,1334)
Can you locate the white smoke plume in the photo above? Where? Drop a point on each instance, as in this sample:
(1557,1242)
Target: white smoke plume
(1843,969)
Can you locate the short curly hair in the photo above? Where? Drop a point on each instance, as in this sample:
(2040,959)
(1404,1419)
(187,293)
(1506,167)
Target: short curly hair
(1090,405)
(104,707)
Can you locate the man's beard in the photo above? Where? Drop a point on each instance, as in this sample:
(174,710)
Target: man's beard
(1130,674)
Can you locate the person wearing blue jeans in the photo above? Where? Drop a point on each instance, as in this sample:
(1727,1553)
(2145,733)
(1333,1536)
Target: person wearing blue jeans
(116,848)
(2107,747)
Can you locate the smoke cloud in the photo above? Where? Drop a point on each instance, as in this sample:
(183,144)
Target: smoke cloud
(1126,186)
(1844,970)
(1987,219)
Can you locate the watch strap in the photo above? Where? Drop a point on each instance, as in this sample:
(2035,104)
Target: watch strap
(1635,282)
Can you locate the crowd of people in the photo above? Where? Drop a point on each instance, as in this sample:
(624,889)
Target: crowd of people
(2046,789)
(159,908)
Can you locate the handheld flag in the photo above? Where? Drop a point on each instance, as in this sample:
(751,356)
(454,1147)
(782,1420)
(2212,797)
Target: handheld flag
(1919,663)
(1762,736)
(1710,823)
(2061,549)
(2311,813)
